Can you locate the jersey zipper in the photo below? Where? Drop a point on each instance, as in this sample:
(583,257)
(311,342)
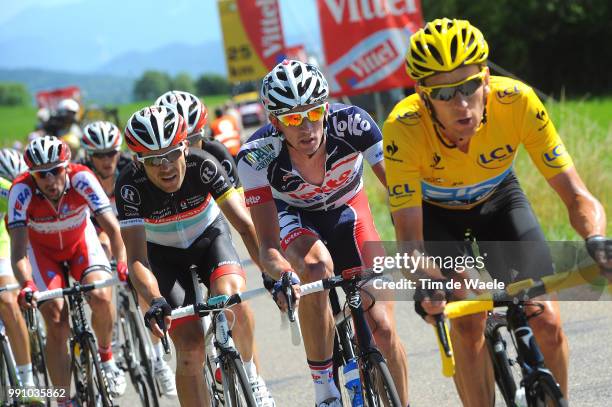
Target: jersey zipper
(179,229)
(57,215)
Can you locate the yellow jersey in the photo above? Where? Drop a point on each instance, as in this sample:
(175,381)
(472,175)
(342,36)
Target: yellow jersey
(423,165)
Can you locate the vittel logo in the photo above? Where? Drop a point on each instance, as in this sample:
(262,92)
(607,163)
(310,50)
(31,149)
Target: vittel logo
(364,10)
(354,125)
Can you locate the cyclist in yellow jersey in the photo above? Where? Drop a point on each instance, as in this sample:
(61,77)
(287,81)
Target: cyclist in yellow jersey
(11,165)
(449,150)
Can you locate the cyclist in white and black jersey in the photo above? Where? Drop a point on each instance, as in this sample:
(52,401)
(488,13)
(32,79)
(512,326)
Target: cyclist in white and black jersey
(102,142)
(171,205)
(303,181)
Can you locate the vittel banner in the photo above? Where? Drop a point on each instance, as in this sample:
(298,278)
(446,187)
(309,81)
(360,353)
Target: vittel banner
(252,36)
(365,42)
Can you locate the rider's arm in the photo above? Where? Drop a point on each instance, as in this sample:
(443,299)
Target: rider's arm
(586,214)
(19,260)
(379,171)
(265,219)
(236,213)
(141,276)
(109,224)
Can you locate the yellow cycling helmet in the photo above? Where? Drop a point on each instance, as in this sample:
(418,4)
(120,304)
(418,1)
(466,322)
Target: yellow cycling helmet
(444,45)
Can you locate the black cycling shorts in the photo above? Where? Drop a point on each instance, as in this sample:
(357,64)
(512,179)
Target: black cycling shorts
(505,228)
(214,254)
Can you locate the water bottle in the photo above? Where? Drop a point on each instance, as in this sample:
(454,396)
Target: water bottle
(519,397)
(353,382)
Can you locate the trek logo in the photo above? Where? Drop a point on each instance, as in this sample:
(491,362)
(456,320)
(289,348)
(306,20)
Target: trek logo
(495,157)
(130,194)
(354,124)
(555,157)
(392,148)
(400,190)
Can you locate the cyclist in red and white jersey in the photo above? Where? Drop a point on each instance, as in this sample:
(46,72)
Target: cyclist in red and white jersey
(49,226)
(303,182)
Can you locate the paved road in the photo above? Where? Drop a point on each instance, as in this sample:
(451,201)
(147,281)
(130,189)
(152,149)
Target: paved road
(588,326)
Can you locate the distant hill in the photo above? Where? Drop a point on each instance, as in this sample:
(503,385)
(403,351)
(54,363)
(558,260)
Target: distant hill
(103,89)
(207,57)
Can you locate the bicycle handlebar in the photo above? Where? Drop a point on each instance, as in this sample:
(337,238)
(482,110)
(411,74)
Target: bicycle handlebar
(9,287)
(519,291)
(60,292)
(217,303)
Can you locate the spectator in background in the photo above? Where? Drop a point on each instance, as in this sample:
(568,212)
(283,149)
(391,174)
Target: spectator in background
(232,110)
(226,130)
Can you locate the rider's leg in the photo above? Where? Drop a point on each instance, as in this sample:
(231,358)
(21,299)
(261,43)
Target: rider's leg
(552,341)
(381,320)
(311,260)
(188,339)
(14,323)
(55,314)
(102,312)
(474,372)
(244,326)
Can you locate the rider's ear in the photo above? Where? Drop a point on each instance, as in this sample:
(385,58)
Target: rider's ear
(274,121)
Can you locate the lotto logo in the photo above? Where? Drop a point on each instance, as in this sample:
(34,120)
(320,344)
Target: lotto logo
(252,200)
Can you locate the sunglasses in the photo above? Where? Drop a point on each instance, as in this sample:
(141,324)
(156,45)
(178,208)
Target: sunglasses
(42,174)
(157,160)
(466,87)
(109,154)
(313,114)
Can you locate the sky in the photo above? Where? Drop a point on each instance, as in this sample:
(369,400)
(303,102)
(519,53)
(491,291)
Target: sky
(100,30)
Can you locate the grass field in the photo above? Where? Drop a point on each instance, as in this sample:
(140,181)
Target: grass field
(585,125)
(17,122)
(586,129)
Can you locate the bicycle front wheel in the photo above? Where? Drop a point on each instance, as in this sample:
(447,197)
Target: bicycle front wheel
(503,354)
(236,386)
(139,365)
(378,386)
(545,392)
(39,362)
(97,387)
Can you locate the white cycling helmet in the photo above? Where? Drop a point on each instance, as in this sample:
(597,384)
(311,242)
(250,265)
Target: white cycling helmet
(11,163)
(46,150)
(68,105)
(154,128)
(101,136)
(290,84)
(189,106)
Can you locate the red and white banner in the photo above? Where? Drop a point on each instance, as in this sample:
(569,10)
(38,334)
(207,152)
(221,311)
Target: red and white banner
(365,42)
(253,37)
(50,98)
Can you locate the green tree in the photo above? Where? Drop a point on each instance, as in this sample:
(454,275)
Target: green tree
(152,84)
(183,81)
(211,84)
(554,45)
(14,94)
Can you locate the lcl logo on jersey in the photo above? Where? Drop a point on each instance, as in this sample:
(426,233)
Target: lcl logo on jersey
(496,158)
(555,157)
(400,190)
(508,95)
